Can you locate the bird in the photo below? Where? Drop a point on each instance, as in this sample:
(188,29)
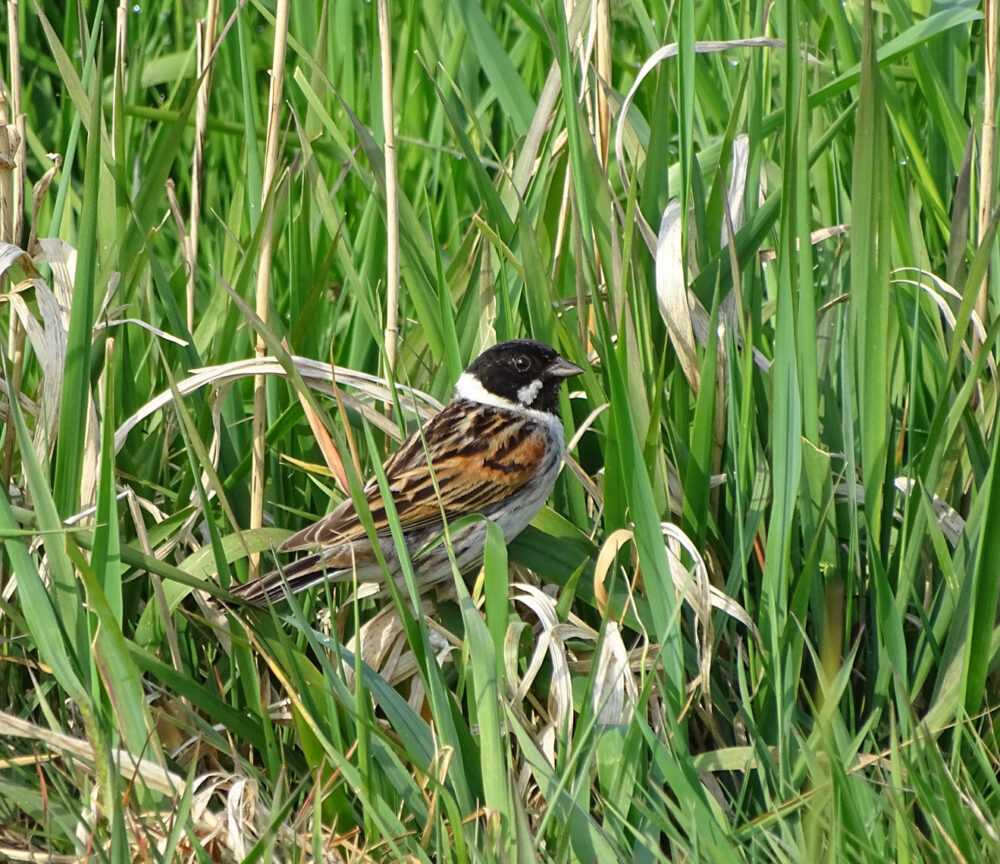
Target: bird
(494,450)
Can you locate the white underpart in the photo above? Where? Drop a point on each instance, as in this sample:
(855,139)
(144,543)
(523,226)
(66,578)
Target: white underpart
(469,387)
(534,494)
(526,395)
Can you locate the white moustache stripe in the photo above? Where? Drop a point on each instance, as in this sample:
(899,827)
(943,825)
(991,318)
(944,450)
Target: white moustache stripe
(526,395)
(470,388)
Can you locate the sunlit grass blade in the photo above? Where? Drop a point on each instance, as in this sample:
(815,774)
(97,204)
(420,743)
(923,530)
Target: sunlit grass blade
(485,646)
(61,623)
(869,282)
(38,609)
(510,89)
(76,401)
(984,592)
(119,675)
(106,554)
(631,473)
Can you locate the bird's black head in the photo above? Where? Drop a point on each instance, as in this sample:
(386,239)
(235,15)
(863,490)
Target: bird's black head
(522,372)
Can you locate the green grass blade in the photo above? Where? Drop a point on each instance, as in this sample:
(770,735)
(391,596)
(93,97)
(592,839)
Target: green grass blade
(106,557)
(510,89)
(75,403)
(869,282)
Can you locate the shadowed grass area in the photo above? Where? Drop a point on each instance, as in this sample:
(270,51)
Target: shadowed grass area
(758,619)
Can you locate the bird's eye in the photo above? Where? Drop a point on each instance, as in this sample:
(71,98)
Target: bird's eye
(522,363)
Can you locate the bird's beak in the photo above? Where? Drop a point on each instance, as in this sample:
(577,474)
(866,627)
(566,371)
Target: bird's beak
(562,368)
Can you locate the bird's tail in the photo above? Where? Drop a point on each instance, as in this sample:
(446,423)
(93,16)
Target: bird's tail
(297,576)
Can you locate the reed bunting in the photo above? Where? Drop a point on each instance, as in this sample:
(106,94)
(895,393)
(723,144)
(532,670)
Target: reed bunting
(494,450)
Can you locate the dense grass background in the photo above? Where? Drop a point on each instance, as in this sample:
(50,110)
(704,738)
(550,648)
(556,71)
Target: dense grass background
(786,367)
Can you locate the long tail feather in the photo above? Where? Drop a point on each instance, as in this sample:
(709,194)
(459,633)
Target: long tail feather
(270,588)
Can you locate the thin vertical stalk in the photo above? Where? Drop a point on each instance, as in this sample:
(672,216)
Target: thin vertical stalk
(988,148)
(8,146)
(14,219)
(17,118)
(391,194)
(264,268)
(121,41)
(601,129)
(602,66)
(207,28)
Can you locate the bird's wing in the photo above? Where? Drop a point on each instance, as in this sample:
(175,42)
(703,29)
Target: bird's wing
(478,458)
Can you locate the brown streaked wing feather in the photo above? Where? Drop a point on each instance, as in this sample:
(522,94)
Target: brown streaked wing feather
(479,458)
(340,525)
